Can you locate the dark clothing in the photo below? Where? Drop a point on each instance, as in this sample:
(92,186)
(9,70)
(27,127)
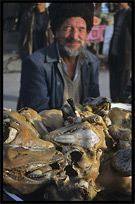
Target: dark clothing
(119,58)
(128,92)
(40,25)
(28,32)
(10,14)
(42,85)
(118,81)
(35,33)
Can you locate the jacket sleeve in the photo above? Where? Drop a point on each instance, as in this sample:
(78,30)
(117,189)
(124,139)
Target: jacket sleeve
(34,90)
(90,80)
(94,85)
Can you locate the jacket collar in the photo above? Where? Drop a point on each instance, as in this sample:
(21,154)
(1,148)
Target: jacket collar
(51,53)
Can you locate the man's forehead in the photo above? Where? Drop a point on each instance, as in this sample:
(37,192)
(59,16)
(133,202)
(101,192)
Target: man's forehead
(77,21)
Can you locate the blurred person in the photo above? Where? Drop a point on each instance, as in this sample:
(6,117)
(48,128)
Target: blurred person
(35,32)
(119,58)
(128,92)
(65,69)
(10,16)
(24,7)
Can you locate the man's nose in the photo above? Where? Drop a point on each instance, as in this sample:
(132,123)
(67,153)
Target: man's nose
(75,34)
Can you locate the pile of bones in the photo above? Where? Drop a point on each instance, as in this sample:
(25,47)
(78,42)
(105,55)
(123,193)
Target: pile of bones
(73,153)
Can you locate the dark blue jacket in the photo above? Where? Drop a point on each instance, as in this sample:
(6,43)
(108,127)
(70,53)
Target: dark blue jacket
(42,85)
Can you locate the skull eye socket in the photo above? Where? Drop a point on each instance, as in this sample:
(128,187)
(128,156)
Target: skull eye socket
(125,123)
(76,156)
(70,171)
(55,166)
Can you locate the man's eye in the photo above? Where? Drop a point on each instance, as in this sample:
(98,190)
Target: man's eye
(67,29)
(81,30)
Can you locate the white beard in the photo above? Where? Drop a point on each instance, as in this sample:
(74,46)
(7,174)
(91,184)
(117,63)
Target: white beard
(69,52)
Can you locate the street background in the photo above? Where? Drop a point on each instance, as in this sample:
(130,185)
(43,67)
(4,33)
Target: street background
(12,62)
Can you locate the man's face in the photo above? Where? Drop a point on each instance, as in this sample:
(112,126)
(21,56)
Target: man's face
(121,6)
(40,5)
(72,36)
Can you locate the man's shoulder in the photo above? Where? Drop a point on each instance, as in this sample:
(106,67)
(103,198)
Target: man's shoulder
(36,59)
(90,56)
(42,55)
(37,56)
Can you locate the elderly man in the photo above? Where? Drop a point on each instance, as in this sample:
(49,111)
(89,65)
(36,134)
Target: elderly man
(65,69)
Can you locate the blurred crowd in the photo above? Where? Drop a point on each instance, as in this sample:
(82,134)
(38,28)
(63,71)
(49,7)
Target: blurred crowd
(13,12)
(34,33)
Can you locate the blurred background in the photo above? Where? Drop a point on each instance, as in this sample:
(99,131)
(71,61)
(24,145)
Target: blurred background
(98,42)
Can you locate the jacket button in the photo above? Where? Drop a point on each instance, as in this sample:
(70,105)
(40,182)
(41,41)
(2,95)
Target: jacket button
(58,83)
